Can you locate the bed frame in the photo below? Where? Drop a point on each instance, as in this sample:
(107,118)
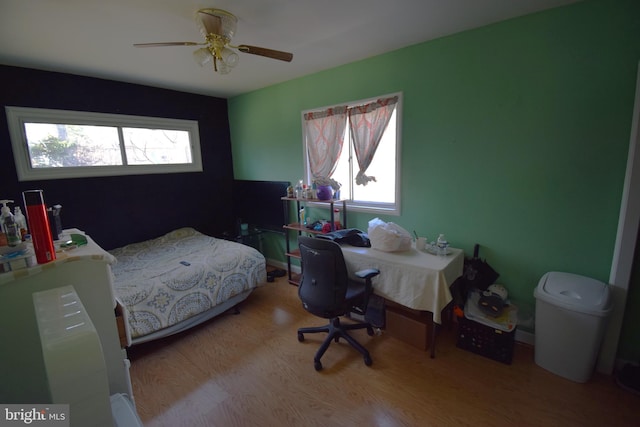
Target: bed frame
(174,282)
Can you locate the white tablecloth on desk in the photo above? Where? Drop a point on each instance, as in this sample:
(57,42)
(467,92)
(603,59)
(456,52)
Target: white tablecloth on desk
(415,279)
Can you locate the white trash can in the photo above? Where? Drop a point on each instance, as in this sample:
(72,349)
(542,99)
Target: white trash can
(571,317)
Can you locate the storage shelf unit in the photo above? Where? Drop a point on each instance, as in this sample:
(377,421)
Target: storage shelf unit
(295,227)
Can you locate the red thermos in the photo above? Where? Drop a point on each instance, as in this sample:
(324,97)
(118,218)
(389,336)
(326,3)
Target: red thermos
(39,226)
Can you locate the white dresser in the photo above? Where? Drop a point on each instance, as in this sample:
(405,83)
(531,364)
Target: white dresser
(22,369)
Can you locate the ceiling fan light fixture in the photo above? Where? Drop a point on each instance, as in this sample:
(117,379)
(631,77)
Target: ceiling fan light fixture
(202,56)
(229,57)
(223,68)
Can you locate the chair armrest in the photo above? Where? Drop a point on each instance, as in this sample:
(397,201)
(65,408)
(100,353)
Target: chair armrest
(367,273)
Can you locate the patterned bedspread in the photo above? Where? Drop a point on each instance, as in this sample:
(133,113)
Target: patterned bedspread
(179,275)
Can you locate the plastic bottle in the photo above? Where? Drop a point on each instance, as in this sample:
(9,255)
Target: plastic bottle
(299,190)
(39,223)
(21,220)
(9,226)
(441,245)
(303,217)
(336,219)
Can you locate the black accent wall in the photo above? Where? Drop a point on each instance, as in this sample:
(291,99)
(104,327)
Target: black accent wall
(125,209)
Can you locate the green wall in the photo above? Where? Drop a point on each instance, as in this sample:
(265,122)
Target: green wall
(515,136)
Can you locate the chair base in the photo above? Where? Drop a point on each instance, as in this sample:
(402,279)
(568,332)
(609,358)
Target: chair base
(337,330)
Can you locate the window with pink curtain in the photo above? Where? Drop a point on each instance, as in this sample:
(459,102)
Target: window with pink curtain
(357,147)
(324,133)
(367,123)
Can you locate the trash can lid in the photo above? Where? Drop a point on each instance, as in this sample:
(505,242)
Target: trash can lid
(574,292)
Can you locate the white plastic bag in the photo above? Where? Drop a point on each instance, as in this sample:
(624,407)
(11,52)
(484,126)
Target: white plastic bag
(388,236)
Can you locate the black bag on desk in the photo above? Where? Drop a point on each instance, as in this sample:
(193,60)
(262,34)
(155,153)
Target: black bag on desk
(351,236)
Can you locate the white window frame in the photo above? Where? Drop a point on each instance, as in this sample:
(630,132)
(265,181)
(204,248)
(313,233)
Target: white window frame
(359,206)
(18,116)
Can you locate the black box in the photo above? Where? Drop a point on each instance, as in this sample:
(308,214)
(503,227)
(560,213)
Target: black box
(485,340)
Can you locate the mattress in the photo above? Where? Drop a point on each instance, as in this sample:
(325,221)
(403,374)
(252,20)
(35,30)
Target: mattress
(168,280)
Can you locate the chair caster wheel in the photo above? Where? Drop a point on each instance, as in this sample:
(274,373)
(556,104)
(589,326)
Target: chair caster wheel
(368,361)
(300,337)
(317,365)
(370,332)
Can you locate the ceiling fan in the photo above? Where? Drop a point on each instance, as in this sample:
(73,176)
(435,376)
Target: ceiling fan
(218,27)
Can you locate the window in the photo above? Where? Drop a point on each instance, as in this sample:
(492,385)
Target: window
(329,141)
(51,144)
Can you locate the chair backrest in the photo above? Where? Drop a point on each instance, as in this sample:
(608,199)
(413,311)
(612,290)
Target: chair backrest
(325,279)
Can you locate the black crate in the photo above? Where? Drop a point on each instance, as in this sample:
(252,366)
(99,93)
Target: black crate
(485,340)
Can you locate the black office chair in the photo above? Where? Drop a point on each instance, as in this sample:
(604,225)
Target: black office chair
(326,291)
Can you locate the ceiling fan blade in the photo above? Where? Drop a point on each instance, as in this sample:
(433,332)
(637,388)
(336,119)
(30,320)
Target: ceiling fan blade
(269,53)
(168,44)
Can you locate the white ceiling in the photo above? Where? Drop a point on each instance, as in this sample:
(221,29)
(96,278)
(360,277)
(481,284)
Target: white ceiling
(95,37)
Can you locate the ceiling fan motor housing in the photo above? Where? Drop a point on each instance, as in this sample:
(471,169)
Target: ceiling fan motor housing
(218,22)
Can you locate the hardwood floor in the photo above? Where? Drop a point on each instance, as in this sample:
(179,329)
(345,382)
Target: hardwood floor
(250,370)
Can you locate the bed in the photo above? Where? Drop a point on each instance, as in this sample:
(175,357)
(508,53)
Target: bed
(176,281)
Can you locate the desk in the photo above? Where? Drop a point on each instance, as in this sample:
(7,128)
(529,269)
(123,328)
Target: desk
(414,279)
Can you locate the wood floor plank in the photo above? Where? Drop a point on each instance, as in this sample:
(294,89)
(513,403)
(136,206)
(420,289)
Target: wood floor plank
(249,369)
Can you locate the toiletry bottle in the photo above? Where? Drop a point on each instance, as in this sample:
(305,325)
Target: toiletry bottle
(21,220)
(9,226)
(303,217)
(337,225)
(39,225)
(299,190)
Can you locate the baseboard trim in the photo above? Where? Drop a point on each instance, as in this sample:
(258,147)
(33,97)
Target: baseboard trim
(525,337)
(283,265)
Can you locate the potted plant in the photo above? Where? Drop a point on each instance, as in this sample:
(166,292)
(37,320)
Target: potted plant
(326,188)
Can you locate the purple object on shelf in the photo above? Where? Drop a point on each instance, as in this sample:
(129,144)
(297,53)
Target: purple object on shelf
(324,192)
